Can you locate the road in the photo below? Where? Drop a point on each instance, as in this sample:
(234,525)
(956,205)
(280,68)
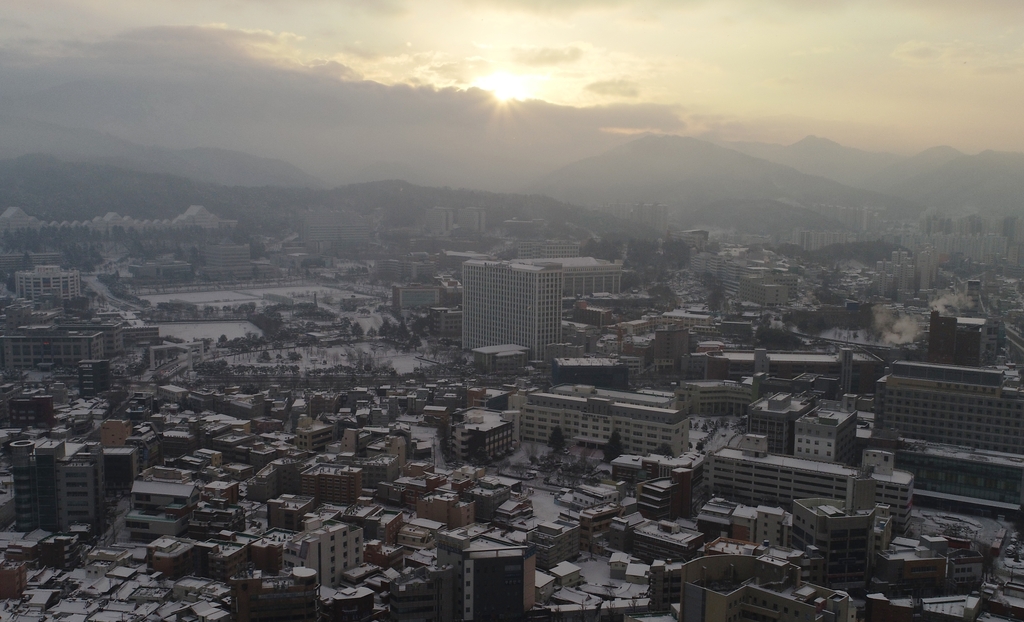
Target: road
(93,283)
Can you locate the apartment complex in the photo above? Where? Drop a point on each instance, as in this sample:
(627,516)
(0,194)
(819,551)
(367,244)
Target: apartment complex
(511,303)
(48,281)
(588,416)
(332,483)
(952,405)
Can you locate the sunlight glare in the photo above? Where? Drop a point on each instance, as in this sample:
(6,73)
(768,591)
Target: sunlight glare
(504,86)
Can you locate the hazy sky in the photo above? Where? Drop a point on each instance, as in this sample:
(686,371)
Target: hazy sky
(897,76)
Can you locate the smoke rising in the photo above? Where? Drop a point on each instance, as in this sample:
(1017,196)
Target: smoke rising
(950,303)
(893,328)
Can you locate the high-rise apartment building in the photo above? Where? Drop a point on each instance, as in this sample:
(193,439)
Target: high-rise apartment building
(511,303)
(57,485)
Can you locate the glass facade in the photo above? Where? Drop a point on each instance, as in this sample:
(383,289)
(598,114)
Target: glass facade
(975,480)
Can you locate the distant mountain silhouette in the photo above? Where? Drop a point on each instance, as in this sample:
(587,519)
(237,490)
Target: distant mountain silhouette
(55,190)
(23,136)
(824,158)
(991,181)
(688,172)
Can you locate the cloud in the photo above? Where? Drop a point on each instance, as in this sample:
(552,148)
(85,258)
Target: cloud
(976,59)
(915,51)
(614,88)
(254,92)
(539,57)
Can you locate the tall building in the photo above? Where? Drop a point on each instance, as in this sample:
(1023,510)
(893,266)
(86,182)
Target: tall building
(58,485)
(582,276)
(330,548)
(440,220)
(962,340)
(325,231)
(93,377)
(827,435)
(511,303)
(775,417)
(228,261)
(494,578)
(46,281)
(473,219)
(424,594)
(952,405)
(546,249)
(845,537)
(333,483)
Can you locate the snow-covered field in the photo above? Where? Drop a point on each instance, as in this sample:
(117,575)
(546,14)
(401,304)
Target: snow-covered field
(213,330)
(300,293)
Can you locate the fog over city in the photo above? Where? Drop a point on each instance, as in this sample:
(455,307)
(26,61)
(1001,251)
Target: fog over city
(511,310)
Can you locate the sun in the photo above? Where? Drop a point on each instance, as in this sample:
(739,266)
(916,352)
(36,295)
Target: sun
(504,86)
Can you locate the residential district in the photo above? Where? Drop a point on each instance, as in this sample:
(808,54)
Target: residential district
(466,420)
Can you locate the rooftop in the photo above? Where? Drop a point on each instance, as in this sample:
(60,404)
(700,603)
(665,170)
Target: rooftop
(801,464)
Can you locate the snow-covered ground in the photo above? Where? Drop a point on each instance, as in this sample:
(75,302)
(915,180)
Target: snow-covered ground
(193,331)
(544,506)
(316,357)
(300,293)
(725,434)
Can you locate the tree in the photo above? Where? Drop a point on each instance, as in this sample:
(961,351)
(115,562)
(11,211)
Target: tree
(664,450)
(613,448)
(557,439)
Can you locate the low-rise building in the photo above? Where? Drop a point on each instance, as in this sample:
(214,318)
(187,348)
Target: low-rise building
(587,417)
(749,474)
(483,435)
(739,587)
(556,542)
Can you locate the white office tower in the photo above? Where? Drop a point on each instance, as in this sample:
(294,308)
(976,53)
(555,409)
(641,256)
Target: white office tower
(511,303)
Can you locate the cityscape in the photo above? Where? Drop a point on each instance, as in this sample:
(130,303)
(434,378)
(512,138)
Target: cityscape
(304,321)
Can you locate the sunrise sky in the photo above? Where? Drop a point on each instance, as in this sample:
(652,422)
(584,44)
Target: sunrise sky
(896,76)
